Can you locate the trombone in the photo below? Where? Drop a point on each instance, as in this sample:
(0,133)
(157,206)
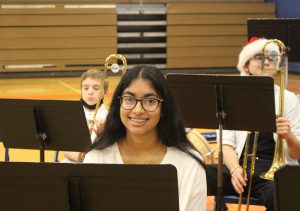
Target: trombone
(279,158)
(251,168)
(110,64)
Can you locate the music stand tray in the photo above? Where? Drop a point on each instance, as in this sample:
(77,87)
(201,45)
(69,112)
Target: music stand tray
(88,187)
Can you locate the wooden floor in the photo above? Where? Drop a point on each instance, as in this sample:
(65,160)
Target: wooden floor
(69,89)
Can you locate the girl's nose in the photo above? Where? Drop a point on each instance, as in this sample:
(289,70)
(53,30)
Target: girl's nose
(138,108)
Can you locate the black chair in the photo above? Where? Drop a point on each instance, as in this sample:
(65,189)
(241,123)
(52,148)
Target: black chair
(286,188)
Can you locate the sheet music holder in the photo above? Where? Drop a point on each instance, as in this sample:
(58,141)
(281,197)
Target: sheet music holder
(285,29)
(88,187)
(286,188)
(248,101)
(225,102)
(44,125)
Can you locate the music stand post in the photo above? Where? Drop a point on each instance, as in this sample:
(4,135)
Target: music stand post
(225,102)
(44,125)
(220,113)
(40,132)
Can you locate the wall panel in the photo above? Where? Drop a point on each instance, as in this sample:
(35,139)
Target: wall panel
(201,35)
(56,37)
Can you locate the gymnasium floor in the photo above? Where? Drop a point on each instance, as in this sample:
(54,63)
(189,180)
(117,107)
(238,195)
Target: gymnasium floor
(69,89)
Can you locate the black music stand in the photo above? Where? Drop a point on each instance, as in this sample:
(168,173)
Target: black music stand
(43,124)
(286,188)
(59,186)
(285,29)
(225,102)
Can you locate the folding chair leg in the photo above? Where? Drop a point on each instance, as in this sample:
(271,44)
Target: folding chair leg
(6,158)
(56,157)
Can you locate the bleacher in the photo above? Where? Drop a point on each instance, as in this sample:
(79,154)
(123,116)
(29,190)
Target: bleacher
(74,35)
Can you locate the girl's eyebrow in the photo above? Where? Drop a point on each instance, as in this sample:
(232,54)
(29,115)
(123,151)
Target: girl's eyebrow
(151,95)
(128,93)
(146,95)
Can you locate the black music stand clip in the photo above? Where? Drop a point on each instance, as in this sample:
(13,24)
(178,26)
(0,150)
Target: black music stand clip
(225,102)
(56,124)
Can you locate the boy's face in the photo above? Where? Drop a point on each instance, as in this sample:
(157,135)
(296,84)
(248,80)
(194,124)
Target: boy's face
(90,90)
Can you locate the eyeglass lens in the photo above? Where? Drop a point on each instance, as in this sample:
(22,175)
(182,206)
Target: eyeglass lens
(148,104)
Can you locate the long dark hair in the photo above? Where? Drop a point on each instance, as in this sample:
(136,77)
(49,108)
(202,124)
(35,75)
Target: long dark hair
(170,128)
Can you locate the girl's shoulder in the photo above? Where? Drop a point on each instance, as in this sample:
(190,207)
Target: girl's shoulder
(179,157)
(101,155)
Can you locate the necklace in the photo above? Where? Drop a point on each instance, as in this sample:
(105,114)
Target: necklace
(151,156)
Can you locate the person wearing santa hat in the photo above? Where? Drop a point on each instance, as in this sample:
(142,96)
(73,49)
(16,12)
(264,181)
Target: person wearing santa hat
(251,60)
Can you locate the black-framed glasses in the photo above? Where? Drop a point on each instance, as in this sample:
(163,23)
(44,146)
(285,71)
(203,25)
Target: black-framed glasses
(148,104)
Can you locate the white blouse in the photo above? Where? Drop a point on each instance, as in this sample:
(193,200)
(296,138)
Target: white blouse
(191,175)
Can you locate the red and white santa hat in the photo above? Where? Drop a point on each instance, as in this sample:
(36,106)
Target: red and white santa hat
(254,46)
